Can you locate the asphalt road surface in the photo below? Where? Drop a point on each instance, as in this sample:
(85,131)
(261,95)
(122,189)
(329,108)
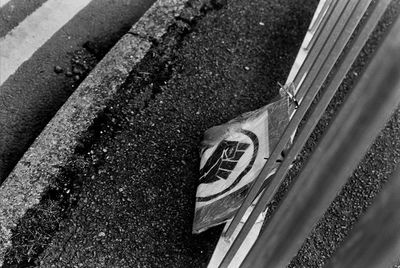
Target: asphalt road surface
(127,197)
(47,47)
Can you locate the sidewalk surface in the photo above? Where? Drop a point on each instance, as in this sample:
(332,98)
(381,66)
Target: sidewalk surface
(127,197)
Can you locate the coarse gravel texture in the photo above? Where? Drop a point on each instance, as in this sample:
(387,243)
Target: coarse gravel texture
(129,191)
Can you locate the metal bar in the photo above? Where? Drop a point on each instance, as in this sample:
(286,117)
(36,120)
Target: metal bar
(311,35)
(321,39)
(322,24)
(335,45)
(343,68)
(293,124)
(375,240)
(320,15)
(315,116)
(369,106)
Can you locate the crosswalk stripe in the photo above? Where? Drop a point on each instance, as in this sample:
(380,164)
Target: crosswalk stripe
(20,43)
(3,2)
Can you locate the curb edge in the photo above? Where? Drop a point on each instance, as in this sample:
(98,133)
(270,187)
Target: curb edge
(51,150)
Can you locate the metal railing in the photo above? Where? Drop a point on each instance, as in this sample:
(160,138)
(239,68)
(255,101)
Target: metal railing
(363,115)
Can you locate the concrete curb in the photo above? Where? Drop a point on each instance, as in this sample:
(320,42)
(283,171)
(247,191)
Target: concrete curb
(53,148)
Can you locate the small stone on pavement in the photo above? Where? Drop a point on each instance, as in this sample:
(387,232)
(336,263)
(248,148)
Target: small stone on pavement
(58,69)
(101,234)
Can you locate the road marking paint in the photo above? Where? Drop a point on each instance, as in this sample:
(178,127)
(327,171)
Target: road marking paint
(21,42)
(3,2)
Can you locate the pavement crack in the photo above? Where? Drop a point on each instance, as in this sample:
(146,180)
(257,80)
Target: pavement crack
(35,230)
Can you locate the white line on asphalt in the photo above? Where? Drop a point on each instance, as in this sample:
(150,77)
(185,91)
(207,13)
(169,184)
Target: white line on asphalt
(21,42)
(3,2)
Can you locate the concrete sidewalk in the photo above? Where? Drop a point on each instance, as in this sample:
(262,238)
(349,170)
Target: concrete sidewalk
(126,196)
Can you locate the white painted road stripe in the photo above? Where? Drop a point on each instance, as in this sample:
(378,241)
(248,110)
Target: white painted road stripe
(3,2)
(20,43)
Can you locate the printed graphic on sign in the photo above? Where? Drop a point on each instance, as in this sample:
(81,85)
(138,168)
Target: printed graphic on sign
(227,164)
(232,156)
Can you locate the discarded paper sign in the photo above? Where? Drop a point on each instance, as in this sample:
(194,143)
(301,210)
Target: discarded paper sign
(232,156)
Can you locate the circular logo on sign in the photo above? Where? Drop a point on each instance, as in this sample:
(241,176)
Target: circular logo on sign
(225,161)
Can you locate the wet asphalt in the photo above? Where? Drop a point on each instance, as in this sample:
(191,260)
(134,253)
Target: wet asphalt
(135,174)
